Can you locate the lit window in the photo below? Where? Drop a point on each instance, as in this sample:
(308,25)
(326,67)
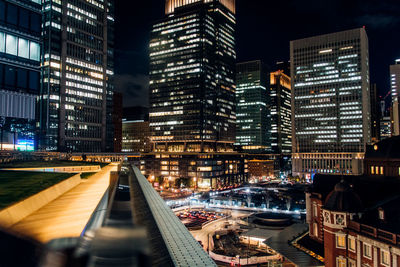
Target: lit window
(341,241)
(34,51)
(340,262)
(315,229)
(315,210)
(373,170)
(23,48)
(381,170)
(352,263)
(11,45)
(376,170)
(352,244)
(367,251)
(385,258)
(3,46)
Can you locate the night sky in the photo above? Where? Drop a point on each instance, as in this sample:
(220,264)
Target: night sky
(264,30)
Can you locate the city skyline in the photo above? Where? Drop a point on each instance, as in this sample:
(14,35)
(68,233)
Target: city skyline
(379,19)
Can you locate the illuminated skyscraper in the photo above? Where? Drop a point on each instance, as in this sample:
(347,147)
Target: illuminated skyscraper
(20,41)
(192,96)
(192,77)
(395,87)
(77,91)
(253,116)
(330,102)
(281,113)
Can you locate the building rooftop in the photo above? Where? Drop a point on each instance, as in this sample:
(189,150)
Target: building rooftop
(343,198)
(390,220)
(370,189)
(387,149)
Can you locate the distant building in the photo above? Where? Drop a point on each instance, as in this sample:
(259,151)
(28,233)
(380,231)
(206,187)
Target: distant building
(395,91)
(253,122)
(385,127)
(20,46)
(136,113)
(383,158)
(283,66)
(261,169)
(136,136)
(117,120)
(280,97)
(330,103)
(192,95)
(77,73)
(192,77)
(136,130)
(375,114)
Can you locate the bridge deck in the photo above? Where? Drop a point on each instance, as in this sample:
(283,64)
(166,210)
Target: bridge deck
(67,215)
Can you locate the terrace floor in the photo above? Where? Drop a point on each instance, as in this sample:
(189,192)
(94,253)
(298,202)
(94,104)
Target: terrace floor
(67,215)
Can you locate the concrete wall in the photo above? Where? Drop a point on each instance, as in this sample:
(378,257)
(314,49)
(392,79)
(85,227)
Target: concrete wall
(20,210)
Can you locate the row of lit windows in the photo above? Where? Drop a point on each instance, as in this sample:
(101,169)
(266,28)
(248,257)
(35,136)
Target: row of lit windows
(17,46)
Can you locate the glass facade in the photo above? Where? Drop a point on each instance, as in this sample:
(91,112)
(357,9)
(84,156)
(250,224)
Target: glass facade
(253,116)
(76,95)
(20,44)
(192,73)
(281,113)
(395,91)
(192,96)
(331,95)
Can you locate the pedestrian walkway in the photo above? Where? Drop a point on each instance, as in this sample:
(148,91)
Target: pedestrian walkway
(67,215)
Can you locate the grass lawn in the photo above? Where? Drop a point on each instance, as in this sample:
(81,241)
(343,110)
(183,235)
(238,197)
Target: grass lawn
(16,186)
(53,163)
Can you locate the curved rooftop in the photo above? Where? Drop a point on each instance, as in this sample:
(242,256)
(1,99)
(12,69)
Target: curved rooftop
(343,198)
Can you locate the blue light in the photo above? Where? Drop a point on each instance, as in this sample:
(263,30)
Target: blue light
(25,145)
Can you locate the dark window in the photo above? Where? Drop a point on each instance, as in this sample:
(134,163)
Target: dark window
(1,75)
(35,22)
(9,76)
(23,18)
(22,80)
(33,81)
(2,10)
(12,14)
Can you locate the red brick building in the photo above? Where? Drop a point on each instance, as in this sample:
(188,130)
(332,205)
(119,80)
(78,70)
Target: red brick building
(356,220)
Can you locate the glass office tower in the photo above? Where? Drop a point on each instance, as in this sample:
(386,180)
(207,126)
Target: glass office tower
(330,102)
(192,77)
(281,113)
(192,96)
(253,116)
(77,66)
(395,90)
(20,42)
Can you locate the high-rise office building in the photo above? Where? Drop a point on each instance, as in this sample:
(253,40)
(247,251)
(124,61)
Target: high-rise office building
(117,116)
(330,103)
(395,90)
(375,114)
(192,95)
(253,116)
(281,113)
(192,77)
(77,69)
(20,28)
